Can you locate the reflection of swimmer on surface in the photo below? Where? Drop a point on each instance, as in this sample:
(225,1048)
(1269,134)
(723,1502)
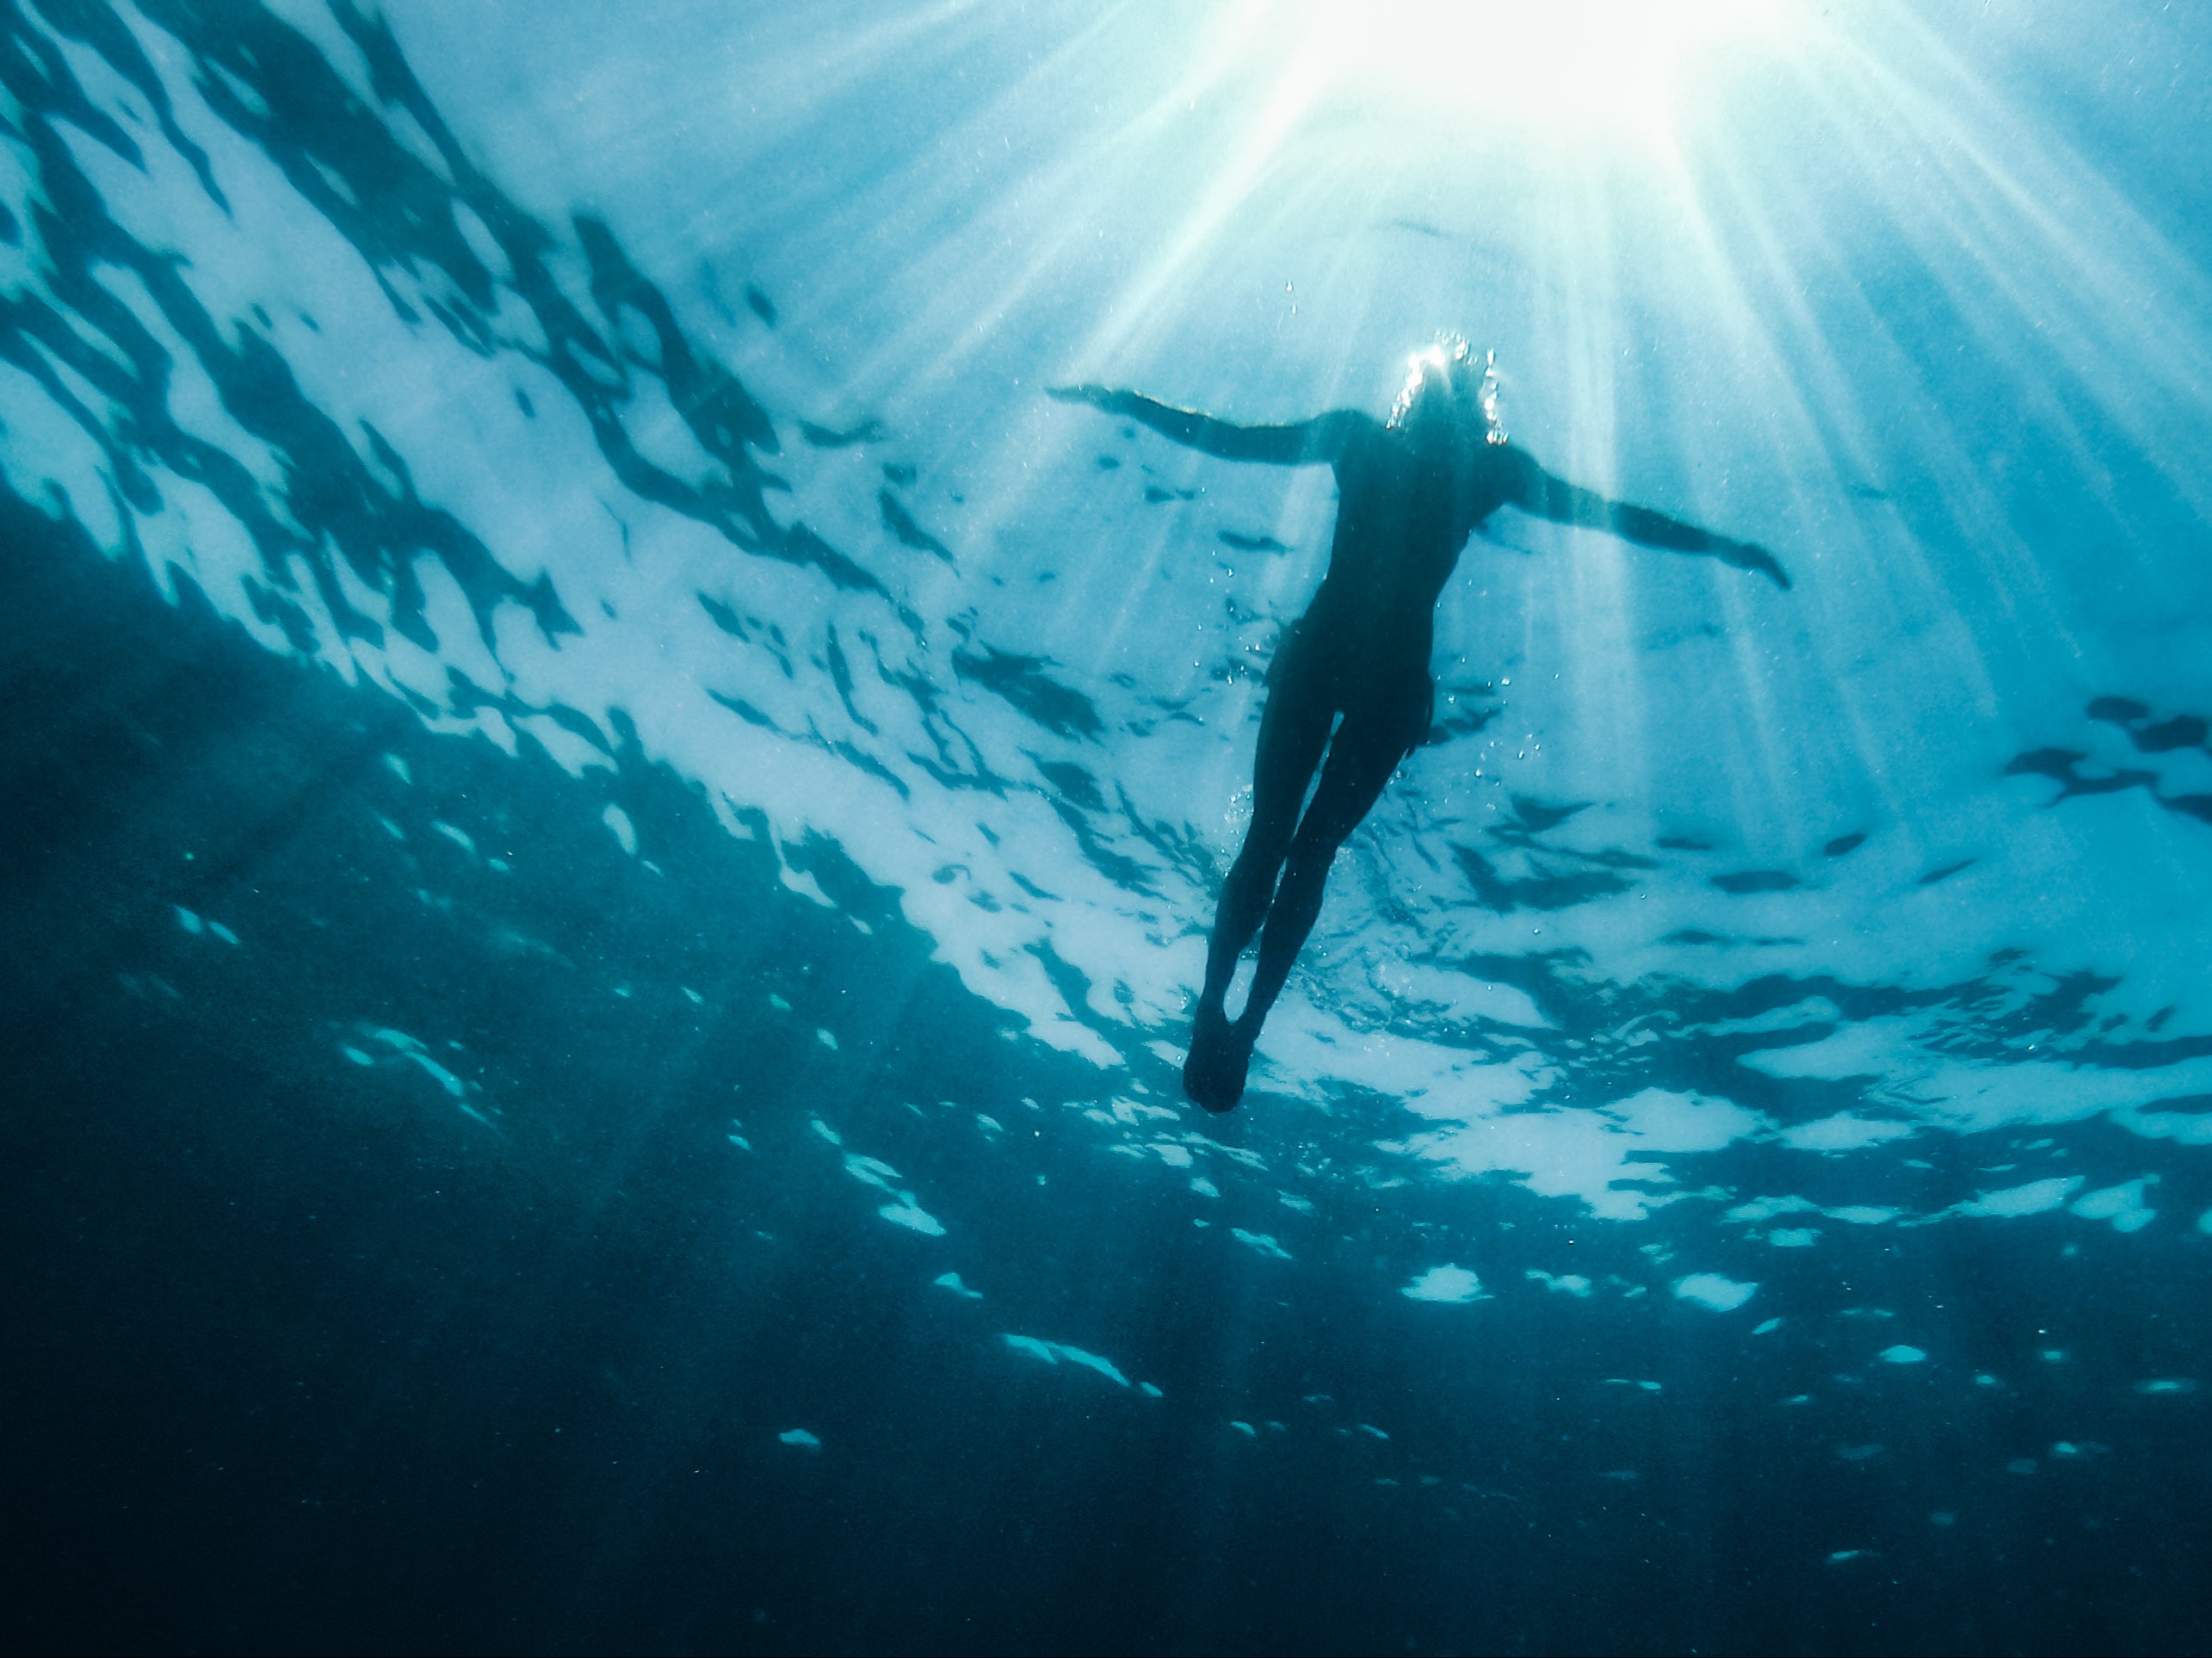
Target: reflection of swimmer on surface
(1409,493)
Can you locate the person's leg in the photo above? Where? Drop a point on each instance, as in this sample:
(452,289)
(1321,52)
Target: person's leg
(1360,763)
(1378,733)
(1294,729)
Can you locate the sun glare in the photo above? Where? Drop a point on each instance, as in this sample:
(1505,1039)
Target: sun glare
(1559,70)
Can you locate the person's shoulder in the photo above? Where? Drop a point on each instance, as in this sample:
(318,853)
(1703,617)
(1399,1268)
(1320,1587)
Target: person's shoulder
(1510,463)
(1345,432)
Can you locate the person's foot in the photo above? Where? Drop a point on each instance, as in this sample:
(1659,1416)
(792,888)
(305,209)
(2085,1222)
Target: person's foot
(1214,1074)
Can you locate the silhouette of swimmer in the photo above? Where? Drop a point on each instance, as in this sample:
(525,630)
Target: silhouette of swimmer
(1409,493)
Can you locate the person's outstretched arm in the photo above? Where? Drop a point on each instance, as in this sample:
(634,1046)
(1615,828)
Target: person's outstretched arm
(1537,492)
(1310,441)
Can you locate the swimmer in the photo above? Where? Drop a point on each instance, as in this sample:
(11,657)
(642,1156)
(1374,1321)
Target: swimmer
(1410,492)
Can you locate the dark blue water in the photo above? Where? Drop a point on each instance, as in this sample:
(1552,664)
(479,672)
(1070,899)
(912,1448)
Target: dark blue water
(610,821)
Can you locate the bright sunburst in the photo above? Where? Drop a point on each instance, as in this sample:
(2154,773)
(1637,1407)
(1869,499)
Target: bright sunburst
(1563,71)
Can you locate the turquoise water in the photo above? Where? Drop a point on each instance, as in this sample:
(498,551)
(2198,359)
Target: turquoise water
(614,817)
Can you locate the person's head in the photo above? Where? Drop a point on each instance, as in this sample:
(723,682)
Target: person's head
(1450,396)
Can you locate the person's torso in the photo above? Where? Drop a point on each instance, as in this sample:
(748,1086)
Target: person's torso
(1401,525)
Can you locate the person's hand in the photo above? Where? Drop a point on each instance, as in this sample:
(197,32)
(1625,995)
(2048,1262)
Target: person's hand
(1747,556)
(1097,396)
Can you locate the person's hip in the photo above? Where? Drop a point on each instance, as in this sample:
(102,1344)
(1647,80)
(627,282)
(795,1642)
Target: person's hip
(1388,692)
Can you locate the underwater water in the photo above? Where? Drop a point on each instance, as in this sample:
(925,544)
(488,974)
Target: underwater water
(611,820)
